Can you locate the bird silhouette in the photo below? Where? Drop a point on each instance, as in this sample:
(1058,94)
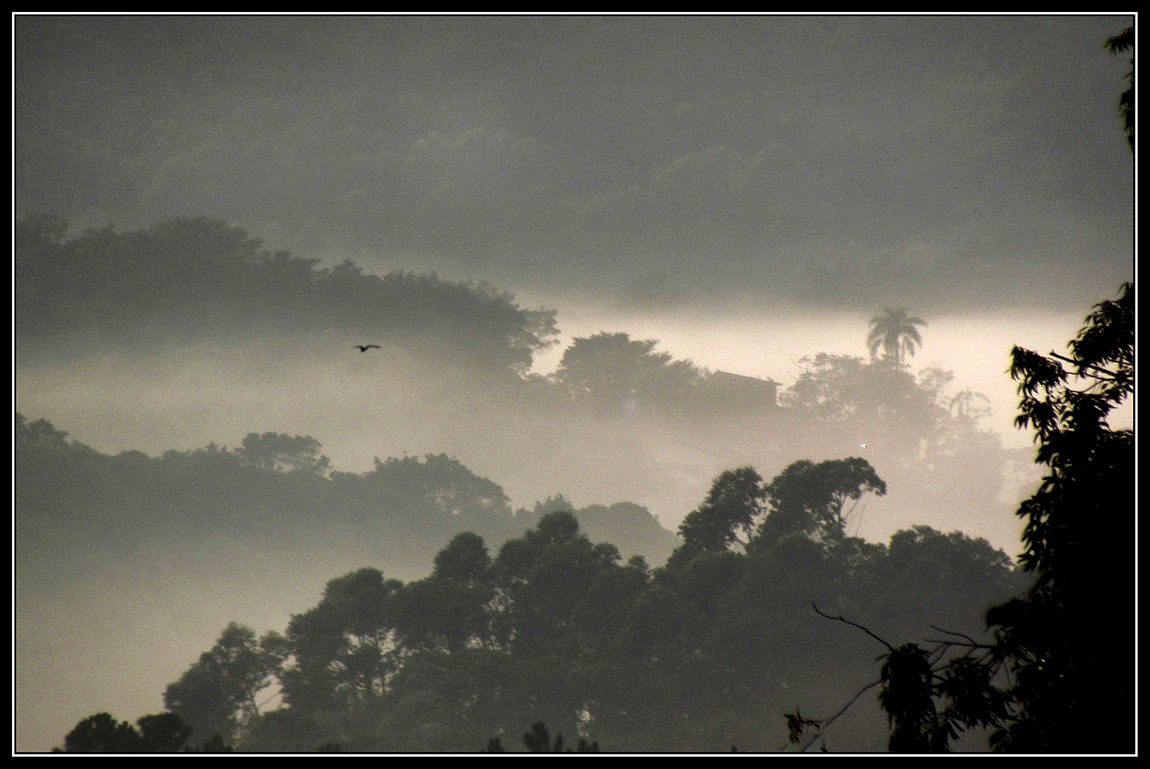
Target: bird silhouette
(366,347)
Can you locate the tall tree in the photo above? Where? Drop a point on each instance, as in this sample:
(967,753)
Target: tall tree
(811,499)
(217,695)
(618,374)
(1067,644)
(1079,539)
(895,332)
(344,647)
(450,609)
(727,516)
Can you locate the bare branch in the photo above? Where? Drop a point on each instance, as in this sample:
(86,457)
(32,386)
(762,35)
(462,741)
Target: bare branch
(844,620)
(970,642)
(954,633)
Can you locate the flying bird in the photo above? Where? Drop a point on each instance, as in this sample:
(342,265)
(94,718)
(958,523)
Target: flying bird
(366,347)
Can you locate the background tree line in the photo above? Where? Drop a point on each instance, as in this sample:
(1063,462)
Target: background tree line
(189,279)
(271,490)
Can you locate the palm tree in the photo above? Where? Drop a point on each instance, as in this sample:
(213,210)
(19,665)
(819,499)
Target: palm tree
(896,334)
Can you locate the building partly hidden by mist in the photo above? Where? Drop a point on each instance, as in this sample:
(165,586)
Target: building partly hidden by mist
(747,394)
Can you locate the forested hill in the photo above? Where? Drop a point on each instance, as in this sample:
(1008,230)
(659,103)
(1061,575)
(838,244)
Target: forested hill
(271,489)
(186,280)
(702,654)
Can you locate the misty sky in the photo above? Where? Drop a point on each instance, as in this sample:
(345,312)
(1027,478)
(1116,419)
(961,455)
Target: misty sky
(746,189)
(754,163)
(705,181)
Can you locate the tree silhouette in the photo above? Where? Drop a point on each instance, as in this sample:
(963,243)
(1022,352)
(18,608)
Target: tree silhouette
(1079,539)
(284,453)
(157,733)
(1116,44)
(895,333)
(101,733)
(1059,674)
(732,508)
(611,371)
(217,695)
(537,740)
(811,499)
(343,646)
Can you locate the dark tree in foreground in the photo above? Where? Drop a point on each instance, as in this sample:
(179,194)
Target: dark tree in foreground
(539,741)
(1069,642)
(157,733)
(1117,44)
(218,694)
(101,733)
(1058,676)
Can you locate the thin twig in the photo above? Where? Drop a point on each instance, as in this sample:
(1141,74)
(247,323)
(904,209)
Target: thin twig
(954,633)
(944,642)
(970,642)
(843,619)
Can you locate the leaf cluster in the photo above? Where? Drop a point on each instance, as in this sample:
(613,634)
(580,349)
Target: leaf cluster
(1063,652)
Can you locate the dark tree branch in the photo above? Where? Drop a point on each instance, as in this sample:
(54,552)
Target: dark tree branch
(844,620)
(970,642)
(1107,375)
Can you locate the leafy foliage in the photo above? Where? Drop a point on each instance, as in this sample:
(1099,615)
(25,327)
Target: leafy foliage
(729,514)
(1079,537)
(343,648)
(907,698)
(807,499)
(1125,42)
(156,733)
(1050,672)
(557,629)
(217,695)
(811,498)
(844,387)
